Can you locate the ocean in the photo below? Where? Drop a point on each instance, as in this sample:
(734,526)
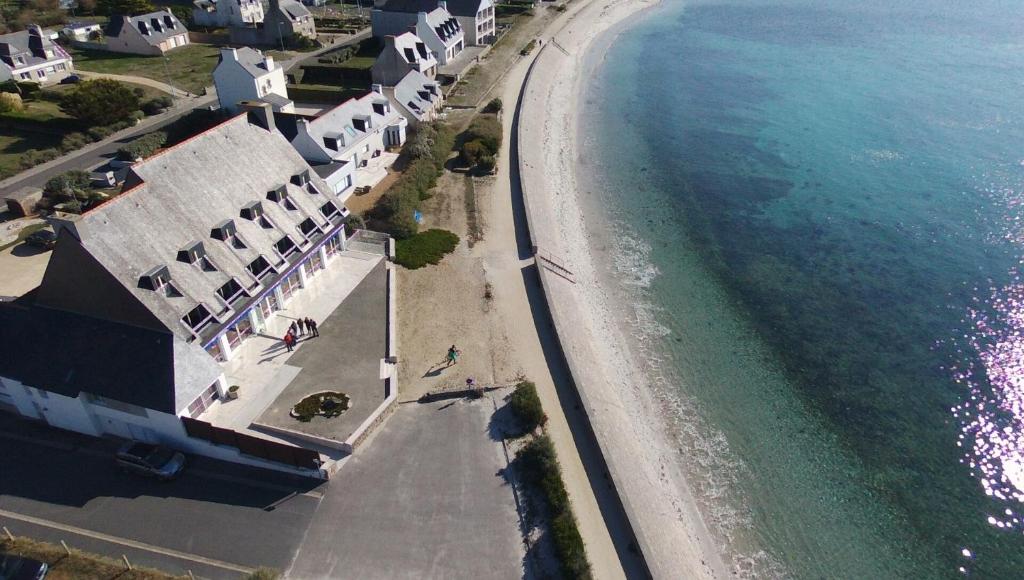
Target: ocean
(817,216)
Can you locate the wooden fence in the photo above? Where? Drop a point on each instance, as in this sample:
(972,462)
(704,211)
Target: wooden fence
(253,446)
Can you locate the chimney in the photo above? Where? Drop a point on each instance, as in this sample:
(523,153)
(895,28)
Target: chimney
(259,113)
(227,53)
(268,62)
(377,88)
(389,42)
(443,5)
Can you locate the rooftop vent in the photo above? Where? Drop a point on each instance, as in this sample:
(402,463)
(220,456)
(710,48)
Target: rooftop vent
(280,194)
(192,253)
(301,178)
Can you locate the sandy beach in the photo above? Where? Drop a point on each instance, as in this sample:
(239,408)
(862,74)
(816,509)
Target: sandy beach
(624,415)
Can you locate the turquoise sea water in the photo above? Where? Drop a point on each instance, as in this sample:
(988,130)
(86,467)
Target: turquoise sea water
(818,215)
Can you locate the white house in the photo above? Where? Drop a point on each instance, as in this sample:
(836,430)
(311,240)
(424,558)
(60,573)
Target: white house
(343,140)
(401,55)
(417,97)
(225,13)
(81,31)
(246,74)
(441,31)
(151,34)
(475,16)
(145,295)
(29,55)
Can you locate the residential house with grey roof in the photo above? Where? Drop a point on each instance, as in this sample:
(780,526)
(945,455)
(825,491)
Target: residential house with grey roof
(225,13)
(287,19)
(441,31)
(148,34)
(147,295)
(417,97)
(401,55)
(341,142)
(30,55)
(475,16)
(246,74)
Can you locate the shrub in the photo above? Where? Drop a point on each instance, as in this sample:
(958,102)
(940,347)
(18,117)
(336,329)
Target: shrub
(143,146)
(487,163)
(100,102)
(35,157)
(157,105)
(69,185)
(99,133)
(538,463)
(528,48)
(9,86)
(10,102)
(354,222)
(429,148)
(472,151)
(28,89)
(526,405)
(494,106)
(51,95)
(487,130)
(73,142)
(425,248)
(263,573)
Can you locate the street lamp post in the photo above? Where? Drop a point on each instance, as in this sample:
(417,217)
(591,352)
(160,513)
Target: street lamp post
(167,75)
(280,35)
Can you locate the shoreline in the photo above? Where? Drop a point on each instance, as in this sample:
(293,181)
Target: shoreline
(660,507)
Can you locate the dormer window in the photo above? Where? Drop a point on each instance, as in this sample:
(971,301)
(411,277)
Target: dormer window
(169,22)
(198,318)
(224,230)
(361,123)
(308,228)
(330,210)
(380,108)
(143,28)
(192,253)
(278,195)
(253,210)
(155,279)
(302,178)
(409,55)
(232,291)
(260,268)
(286,247)
(333,143)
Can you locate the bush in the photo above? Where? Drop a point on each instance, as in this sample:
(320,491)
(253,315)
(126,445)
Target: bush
(35,157)
(429,148)
(28,89)
(143,146)
(494,106)
(100,133)
(525,403)
(487,163)
(528,48)
(157,105)
(73,142)
(487,130)
(100,102)
(352,223)
(538,463)
(51,95)
(425,248)
(10,102)
(264,573)
(69,185)
(472,151)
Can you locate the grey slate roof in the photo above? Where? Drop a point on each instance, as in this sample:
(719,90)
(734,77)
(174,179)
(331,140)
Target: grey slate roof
(154,27)
(178,196)
(337,122)
(30,45)
(415,94)
(251,60)
(455,7)
(444,24)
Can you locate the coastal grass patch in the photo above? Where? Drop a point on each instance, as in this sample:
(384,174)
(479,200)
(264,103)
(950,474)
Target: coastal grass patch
(425,248)
(189,67)
(526,405)
(78,565)
(538,463)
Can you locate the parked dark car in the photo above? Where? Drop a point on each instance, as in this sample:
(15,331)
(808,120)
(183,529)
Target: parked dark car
(70,80)
(18,568)
(150,460)
(45,239)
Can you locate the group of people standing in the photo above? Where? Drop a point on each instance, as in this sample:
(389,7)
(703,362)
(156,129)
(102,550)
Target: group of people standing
(300,327)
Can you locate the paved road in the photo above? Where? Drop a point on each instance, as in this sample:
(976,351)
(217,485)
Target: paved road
(425,499)
(98,153)
(215,519)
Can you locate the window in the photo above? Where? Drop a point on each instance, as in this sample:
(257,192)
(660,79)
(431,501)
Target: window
(155,279)
(192,253)
(231,291)
(308,228)
(332,143)
(286,247)
(330,210)
(224,230)
(260,268)
(198,318)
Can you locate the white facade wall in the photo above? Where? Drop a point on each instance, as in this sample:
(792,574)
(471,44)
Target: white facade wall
(79,415)
(51,71)
(235,83)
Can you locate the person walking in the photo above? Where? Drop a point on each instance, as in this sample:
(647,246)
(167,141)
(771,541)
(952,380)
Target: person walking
(289,341)
(311,325)
(453,356)
(302,326)
(293,329)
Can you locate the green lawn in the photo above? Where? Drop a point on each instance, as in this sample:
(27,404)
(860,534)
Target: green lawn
(14,143)
(360,62)
(190,67)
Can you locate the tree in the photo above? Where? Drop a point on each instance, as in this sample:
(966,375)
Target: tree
(87,6)
(124,7)
(10,102)
(100,102)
